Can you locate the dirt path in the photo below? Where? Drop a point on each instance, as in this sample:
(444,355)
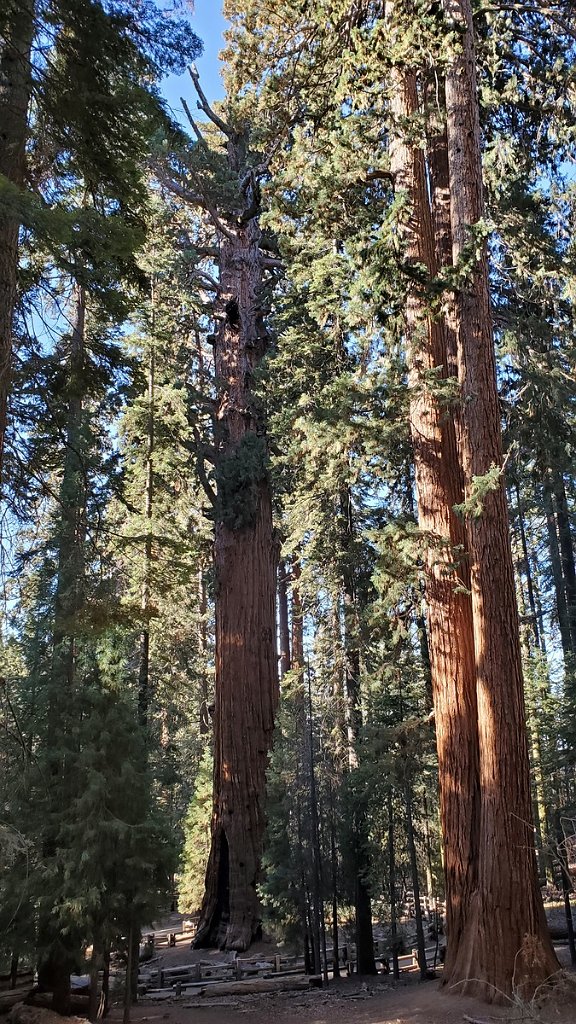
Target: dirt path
(351,1001)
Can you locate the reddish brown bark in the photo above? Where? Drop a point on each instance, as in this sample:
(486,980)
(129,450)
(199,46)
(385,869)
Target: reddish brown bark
(15,87)
(245,557)
(505,941)
(439,487)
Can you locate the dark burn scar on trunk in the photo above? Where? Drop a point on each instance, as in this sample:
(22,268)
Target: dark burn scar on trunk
(233,314)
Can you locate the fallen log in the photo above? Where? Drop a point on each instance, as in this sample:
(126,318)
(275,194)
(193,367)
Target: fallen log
(204,1006)
(255,985)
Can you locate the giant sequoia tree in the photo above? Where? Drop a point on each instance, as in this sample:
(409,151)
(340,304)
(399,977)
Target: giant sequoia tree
(507,903)
(245,551)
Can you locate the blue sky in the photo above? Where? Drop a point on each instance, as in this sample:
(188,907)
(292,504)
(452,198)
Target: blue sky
(208,23)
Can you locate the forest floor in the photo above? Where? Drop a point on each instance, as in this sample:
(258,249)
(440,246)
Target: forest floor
(353,1001)
(349,1000)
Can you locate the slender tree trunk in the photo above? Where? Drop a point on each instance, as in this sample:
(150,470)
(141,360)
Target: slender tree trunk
(527,567)
(283,619)
(334,880)
(15,90)
(316,848)
(144,668)
(203,652)
(559,589)
(58,952)
(567,887)
(303,901)
(420,943)
(439,488)
(297,645)
(105,1002)
(566,553)
(505,942)
(129,973)
(245,556)
(353,710)
(392,880)
(539,803)
(14,959)
(94,969)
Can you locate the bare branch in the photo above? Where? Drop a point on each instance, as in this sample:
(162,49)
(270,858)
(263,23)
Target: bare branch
(207,280)
(193,124)
(197,199)
(177,189)
(380,176)
(205,106)
(202,474)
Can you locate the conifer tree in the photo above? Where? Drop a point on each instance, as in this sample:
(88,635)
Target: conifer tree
(245,553)
(92,70)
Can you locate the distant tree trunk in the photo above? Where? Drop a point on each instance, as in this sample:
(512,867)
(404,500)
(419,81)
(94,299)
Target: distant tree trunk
(566,554)
(246,690)
(420,943)
(353,708)
(144,667)
(439,488)
(128,992)
(533,710)
(283,619)
(106,980)
(392,881)
(297,660)
(319,934)
(505,942)
(334,881)
(70,595)
(58,952)
(527,569)
(96,963)
(559,589)
(567,887)
(15,91)
(203,652)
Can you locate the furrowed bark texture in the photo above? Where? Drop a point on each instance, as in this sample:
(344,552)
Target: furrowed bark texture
(15,87)
(245,557)
(505,943)
(439,486)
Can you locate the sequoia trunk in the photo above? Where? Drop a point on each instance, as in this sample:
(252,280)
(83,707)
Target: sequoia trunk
(505,944)
(245,557)
(439,487)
